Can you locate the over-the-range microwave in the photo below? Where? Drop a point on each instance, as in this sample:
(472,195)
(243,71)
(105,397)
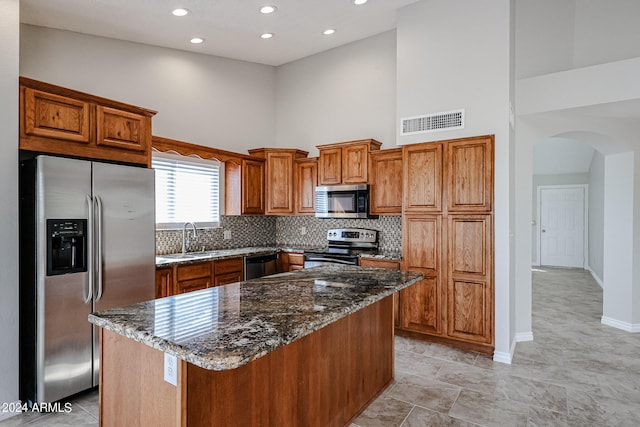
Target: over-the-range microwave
(343,201)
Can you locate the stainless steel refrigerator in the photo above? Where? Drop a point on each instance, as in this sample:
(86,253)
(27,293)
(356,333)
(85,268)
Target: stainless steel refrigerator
(87,243)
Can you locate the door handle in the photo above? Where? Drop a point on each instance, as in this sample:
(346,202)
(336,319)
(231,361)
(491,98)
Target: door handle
(99,247)
(544,231)
(90,265)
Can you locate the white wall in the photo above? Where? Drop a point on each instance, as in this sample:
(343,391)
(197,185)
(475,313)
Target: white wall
(545,31)
(606,31)
(343,94)
(201,99)
(9,44)
(457,55)
(596,215)
(618,239)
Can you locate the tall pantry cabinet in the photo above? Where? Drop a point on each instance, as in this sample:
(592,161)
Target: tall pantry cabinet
(448,236)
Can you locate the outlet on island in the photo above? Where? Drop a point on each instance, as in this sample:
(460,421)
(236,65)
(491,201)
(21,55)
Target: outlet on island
(226,234)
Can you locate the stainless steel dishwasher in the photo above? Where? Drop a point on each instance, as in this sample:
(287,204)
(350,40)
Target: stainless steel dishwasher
(259,265)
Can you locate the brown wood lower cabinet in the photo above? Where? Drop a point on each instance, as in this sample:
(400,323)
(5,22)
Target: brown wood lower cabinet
(178,279)
(193,277)
(227,271)
(454,303)
(323,379)
(290,261)
(164,281)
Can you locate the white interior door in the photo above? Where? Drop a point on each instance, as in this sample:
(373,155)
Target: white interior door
(562,227)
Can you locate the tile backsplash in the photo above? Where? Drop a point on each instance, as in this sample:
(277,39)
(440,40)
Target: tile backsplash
(289,230)
(246,230)
(286,231)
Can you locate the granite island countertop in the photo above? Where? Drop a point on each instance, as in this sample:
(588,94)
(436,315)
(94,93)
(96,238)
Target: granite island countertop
(228,326)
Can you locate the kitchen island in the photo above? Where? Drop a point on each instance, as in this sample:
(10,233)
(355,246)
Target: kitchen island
(310,347)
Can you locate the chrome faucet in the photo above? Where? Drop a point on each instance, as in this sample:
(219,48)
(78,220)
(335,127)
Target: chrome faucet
(185,238)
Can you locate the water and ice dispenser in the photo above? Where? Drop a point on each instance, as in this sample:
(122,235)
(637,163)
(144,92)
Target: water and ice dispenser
(66,246)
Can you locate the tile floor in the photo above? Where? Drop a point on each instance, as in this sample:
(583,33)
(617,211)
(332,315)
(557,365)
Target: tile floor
(577,372)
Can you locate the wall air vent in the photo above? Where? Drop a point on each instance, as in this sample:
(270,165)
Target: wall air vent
(436,122)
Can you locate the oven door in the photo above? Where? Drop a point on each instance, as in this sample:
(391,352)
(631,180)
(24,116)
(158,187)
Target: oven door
(314,260)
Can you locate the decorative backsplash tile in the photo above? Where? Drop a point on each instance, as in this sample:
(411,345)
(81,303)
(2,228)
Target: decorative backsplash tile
(258,230)
(289,230)
(286,231)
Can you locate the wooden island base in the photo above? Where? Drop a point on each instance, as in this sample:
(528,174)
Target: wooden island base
(322,379)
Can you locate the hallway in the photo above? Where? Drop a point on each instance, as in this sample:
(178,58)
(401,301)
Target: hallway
(577,372)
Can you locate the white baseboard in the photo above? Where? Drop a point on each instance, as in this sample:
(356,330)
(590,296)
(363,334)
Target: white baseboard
(524,336)
(595,277)
(502,357)
(628,327)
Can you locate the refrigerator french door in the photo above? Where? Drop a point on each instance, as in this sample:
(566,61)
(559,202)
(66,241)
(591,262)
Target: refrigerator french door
(87,243)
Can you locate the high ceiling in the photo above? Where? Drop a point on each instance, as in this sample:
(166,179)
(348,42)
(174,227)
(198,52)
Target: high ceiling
(231,28)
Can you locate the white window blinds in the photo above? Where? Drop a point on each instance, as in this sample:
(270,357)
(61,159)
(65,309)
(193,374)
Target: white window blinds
(188,189)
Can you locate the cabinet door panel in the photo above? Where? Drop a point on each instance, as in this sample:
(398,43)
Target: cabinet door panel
(306,182)
(122,130)
(386,180)
(193,271)
(280,179)
(230,265)
(330,166)
(423,178)
(225,279)
(252,187)
(422,242)
(355,161)
(53,116)
(420,306)
(164,282)
(193,285)
(469,316)
(468,237)
(470,281)
(470,166)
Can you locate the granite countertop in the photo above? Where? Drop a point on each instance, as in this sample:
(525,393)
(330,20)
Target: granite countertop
(390,256)
(228,326)
(191,257)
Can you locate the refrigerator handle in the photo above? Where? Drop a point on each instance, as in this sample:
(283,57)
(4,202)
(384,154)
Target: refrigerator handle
(87,300)
(99,248)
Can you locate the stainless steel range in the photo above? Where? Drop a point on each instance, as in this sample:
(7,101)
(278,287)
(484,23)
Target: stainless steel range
(344,246)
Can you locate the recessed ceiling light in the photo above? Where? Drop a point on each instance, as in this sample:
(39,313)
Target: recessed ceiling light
(268,9)
(328,31)
(197,40)
(180,12)
(359,2)
(266,36)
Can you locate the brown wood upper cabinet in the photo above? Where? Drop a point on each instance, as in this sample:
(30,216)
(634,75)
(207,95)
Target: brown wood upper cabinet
(279,181)
(58,120)
(386,181)
(306,180)
(244,187)
(470,174)
(345,162)
(422,175)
